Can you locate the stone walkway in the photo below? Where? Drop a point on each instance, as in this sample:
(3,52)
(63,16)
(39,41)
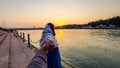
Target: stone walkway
(13,52)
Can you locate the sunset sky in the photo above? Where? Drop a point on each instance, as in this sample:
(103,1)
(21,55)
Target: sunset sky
(29,13)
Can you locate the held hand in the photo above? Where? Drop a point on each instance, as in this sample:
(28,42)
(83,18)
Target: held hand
(47,46)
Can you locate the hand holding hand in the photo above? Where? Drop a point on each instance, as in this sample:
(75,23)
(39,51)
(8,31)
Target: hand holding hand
(47,46)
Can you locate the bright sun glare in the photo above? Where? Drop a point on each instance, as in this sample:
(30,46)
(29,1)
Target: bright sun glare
(60,23)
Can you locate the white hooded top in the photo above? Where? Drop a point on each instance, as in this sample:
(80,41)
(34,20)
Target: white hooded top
(47,34)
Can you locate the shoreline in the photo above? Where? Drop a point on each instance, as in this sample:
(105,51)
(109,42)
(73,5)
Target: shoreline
(60,28)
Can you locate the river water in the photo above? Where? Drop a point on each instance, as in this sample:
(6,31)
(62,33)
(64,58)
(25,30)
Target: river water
(84,48)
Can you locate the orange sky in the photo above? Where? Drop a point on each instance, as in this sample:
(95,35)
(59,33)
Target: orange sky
(29,13)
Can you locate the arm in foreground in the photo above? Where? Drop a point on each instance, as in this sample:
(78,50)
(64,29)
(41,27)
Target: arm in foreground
(40,59)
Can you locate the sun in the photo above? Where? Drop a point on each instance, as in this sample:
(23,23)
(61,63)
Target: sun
(60,23)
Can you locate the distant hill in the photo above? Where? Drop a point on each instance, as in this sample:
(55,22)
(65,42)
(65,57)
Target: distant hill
(111,23)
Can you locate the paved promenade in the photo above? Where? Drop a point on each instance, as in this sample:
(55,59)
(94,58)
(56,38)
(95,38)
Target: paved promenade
(13,52)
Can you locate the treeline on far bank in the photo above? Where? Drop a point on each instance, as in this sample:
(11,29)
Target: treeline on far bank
(111,23)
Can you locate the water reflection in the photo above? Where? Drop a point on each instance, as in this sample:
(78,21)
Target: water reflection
(106,33)
(59,34)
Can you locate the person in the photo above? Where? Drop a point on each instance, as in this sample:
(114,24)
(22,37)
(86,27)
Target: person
(54,60)
(40,59)
(48,56)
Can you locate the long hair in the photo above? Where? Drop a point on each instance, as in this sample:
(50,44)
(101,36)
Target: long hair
(52,28)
